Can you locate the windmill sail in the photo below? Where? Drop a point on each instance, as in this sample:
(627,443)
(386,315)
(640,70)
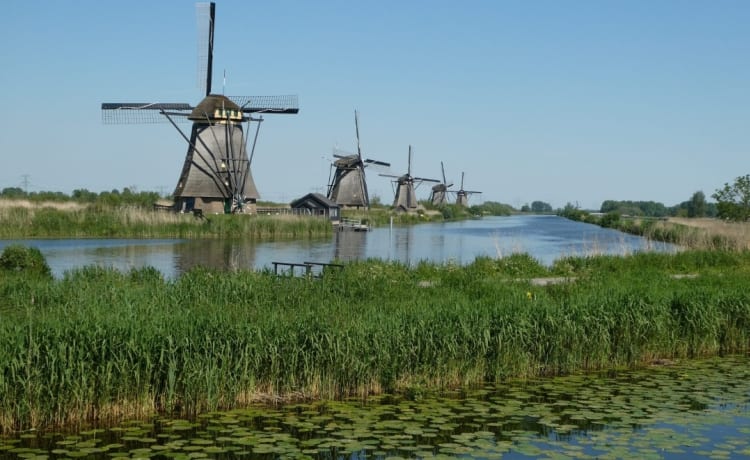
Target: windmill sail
(216,174)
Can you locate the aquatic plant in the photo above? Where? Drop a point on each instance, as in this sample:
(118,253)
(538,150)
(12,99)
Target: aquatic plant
(100,344)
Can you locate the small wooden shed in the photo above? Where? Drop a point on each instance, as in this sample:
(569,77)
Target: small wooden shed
(316,204)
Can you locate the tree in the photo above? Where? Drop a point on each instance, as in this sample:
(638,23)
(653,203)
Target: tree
(13,192)
(733,201)
(696,207)
(540,206)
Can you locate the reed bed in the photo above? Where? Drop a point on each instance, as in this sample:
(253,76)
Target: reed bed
(6,203)
(97,222)
(99,345)
(706,233)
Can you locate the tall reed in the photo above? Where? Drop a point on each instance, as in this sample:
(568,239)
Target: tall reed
(102,345)
(93,222)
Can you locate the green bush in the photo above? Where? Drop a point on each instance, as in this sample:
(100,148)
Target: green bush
(18,258)
(610,220)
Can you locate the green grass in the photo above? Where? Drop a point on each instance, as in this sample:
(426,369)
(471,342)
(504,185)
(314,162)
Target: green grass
(104,345)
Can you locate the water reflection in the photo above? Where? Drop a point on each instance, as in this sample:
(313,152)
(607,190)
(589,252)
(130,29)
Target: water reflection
(545,238)
(226,254)
(349,245)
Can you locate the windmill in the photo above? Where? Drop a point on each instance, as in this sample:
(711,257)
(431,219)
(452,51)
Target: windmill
(216,175)
(348,186)
(439,195)
(462,196)
(406,198)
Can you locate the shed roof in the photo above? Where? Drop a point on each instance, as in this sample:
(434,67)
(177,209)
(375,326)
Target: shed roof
(316,200)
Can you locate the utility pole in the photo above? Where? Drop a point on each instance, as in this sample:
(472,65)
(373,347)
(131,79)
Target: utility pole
(25,181)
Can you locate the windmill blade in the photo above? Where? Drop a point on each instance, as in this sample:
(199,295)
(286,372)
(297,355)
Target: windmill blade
(356,127)
(389,175)
(408,168)
(377,163)
(206,14)
(443,169)
(471,191)
(143,112)
(462,180)
(287,104)
(422,179)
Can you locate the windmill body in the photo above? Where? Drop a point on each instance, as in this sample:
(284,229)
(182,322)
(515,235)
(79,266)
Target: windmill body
(439,195)
(406,197)
(216,168)
(216,175)
(348,184)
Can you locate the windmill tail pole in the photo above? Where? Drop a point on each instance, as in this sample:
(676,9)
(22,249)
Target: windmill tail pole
(255,140)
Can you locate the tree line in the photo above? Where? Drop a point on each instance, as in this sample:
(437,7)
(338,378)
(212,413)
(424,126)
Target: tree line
(732,203)
(696,206)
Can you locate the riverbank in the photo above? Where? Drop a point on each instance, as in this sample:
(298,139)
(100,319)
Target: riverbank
(689,233)
(67,219)
(102,346)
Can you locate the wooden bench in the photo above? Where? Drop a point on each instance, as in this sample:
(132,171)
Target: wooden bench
(324,266)
(307,266)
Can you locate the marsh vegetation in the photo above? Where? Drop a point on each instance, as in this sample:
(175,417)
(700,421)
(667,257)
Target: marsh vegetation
(101,345)
(134,222)
(692,409)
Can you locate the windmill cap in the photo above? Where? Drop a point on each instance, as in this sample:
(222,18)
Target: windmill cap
(216,107)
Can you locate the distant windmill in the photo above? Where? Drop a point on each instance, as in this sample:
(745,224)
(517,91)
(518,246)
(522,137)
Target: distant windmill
(216,174)
(462,196)
(406,198)
(348,186)
(440,191)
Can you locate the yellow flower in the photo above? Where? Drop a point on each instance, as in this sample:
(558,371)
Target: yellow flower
(529,295)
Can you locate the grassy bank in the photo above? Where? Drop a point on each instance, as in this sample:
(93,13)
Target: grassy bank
(98,222)
(103,345)
(690,233)
(701,233)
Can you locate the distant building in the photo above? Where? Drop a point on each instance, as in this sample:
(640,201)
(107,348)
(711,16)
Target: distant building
(316,204)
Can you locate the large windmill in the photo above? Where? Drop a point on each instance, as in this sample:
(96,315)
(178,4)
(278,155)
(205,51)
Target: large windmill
(406,198)
(347,185)
(439,195)
(216,175)
(462,196)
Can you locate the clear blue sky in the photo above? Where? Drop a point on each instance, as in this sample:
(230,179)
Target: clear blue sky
(559,101)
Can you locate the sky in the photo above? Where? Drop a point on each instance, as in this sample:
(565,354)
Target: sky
(558,101)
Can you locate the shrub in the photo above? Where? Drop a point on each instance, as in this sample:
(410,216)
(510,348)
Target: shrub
(610,220)
(18,258)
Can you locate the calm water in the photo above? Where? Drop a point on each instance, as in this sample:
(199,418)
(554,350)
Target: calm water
(546,238)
